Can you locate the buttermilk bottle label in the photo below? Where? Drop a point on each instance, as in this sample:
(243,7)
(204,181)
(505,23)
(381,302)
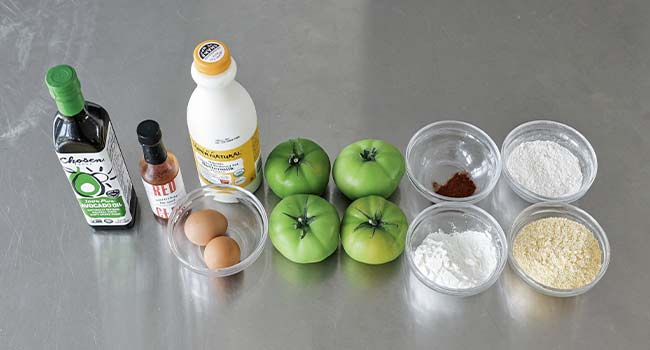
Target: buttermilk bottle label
(238,166)
(163,198)
(101,183)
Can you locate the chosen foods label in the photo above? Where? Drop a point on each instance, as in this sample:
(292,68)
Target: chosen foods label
(163,198)
(101,183)
(238,166)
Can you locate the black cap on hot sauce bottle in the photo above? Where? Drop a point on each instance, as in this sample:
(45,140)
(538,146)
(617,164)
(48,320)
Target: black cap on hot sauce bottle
(150,139)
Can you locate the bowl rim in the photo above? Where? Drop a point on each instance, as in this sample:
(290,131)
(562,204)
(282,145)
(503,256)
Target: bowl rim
(533,197)
(524,218)
(499,235)
(230,270)
(432,195)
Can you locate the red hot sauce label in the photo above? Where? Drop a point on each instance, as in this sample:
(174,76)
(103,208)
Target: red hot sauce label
(163,198)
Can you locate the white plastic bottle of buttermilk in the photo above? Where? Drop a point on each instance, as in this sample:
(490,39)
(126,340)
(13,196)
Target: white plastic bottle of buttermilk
(222,121)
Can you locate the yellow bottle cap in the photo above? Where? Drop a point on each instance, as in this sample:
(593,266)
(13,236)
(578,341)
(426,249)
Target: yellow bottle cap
(211,57)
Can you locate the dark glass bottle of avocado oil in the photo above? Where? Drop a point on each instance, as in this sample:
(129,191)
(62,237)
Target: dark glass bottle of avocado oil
(87,149)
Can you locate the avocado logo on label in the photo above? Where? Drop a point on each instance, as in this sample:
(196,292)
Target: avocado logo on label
(92,183)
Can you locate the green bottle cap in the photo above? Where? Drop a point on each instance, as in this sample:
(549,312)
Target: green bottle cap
(65,88)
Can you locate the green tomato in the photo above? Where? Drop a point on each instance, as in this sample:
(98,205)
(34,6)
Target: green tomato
(368,167)
(304,228)
(373,230)
(297,166)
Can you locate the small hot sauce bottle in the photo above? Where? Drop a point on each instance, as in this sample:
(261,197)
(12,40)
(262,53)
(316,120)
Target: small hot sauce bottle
(159,170)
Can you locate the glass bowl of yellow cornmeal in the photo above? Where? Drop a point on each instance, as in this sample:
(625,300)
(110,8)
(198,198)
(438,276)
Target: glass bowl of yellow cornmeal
(558,249)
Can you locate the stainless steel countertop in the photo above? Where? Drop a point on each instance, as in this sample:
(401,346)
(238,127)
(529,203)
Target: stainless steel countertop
(336,72)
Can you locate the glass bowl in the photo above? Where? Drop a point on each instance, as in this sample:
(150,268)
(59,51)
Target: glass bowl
(247,224)
(440,149)
(557,209)
(450,217)
(566,136)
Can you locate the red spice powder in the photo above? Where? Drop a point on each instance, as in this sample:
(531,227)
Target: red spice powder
(458,186)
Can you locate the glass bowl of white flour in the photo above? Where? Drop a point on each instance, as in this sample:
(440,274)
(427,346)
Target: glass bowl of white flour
(545,160)
(456,249)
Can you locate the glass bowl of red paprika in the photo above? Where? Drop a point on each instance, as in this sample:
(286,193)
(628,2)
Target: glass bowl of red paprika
(453,161)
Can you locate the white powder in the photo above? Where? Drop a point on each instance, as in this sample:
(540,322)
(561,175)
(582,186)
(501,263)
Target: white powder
(545,168)
(457,260)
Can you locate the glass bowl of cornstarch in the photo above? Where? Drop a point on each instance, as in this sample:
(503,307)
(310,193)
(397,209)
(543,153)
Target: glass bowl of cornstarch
(545,161)
(456,248)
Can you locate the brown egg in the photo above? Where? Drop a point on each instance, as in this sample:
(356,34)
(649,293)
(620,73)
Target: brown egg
(222,251)
(203,225)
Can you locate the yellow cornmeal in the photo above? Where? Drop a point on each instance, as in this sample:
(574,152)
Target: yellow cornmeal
(558,252)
